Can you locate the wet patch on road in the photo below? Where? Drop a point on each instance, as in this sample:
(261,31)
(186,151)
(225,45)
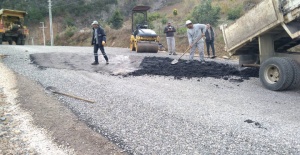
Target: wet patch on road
(163,67)
(118,64)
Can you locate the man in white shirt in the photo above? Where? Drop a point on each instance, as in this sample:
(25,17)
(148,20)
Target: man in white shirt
(194,32)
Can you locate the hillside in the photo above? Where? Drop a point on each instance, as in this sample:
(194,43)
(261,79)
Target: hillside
(73,27)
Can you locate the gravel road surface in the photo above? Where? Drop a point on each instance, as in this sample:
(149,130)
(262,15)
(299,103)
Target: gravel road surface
(147,113)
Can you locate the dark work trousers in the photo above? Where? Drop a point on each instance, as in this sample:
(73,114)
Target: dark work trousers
(210,44)
(96,47)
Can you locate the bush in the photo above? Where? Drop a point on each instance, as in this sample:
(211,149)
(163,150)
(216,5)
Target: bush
(181,30)
(206,13)
(234,13)
(70,31)
(153,16)
(164,20)
(175,12)
(116,20)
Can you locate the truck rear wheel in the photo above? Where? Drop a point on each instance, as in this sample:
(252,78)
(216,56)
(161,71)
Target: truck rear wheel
(18,41)
(10,41)
(276,74)
(296,70)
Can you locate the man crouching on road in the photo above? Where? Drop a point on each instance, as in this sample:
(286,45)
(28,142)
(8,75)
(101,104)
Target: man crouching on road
(194,32)
(98,40)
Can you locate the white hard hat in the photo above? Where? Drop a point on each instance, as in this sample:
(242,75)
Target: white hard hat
(95,23)
(188,22)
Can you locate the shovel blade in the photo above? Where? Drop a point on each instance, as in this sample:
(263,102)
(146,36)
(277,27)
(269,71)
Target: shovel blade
(175,61)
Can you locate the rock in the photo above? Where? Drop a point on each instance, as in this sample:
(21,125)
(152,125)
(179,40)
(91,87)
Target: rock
(2,118)
(17,132)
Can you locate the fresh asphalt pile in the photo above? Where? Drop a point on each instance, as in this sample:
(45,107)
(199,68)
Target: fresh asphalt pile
(163,67)
(159,115)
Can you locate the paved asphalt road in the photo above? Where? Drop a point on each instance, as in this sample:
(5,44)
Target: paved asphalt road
(159,114)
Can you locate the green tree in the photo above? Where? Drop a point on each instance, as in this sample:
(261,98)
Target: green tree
(116,20)
(206,13)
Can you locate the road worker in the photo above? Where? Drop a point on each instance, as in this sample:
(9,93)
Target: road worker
(194,32)
(98,40)
(169,31)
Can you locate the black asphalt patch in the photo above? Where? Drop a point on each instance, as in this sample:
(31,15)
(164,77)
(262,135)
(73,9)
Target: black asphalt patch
(163,67)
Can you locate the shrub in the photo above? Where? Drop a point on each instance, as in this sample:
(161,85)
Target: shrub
(181,30)
(234,13)
(206,13)
(175,12)
(153,16)
(70,31)
(116,20)
(164,20)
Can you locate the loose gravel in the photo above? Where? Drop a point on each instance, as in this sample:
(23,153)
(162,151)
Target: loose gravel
(161,115)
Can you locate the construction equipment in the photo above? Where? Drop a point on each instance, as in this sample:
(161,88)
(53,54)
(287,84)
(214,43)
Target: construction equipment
(264,37)
(12,28)
(143,39)
(175,61)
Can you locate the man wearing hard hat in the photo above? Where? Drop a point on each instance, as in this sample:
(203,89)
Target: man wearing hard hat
(98,40)
(194,33)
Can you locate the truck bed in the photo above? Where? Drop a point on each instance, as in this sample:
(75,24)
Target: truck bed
(268,17)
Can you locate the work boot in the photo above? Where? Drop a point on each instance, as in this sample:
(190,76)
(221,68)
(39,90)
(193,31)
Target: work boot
(95,63)
(174,53)
(107,62)
(213,56)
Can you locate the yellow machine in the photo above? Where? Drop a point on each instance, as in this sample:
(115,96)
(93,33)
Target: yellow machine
(143,40)
(11,26)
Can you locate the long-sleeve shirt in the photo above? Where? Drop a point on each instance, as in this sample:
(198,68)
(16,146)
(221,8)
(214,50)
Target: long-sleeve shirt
(98,36)
(196,32)
(210,34)
(169,30)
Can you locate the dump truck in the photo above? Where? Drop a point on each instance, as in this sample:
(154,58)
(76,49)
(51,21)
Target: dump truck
(267,37)
(142,39)
(12,27)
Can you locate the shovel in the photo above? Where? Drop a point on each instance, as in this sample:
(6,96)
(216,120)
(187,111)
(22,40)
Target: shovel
(53,90)
(175,61)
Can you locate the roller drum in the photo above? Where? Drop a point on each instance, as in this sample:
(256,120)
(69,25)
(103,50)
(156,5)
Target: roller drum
(147,47)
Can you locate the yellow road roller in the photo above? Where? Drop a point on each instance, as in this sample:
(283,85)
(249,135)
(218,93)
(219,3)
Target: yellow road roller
(143,39)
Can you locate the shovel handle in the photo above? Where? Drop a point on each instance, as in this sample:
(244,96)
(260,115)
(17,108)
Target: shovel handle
(73,96)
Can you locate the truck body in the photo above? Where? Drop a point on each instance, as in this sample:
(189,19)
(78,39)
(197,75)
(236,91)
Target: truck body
(12,27)
(263,38)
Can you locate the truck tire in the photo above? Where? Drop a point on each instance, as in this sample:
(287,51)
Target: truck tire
(23,42)
(296,68)
(10,42)
(1,38)
(276,74)
(19,41)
